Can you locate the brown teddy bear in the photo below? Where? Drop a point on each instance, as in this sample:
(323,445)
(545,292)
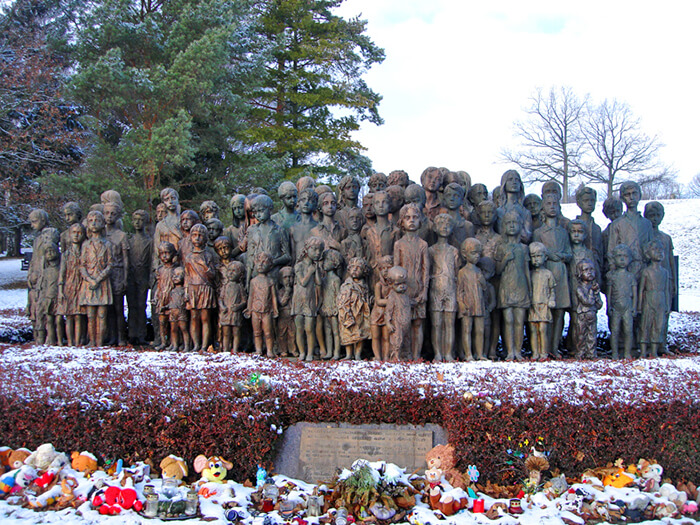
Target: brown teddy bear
(173,467)
(84,462)
(443,457)
(17,457)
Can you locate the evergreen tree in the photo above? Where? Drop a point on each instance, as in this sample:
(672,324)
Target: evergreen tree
(314,95)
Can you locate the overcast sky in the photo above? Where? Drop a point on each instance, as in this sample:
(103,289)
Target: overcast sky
(458,73)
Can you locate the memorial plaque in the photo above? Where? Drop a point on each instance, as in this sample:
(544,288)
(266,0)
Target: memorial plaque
(322,449)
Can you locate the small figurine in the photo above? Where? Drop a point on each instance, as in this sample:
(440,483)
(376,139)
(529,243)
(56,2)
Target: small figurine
(288,215)
(621,296)
(512,264)
(71,214)
(377,182)
(286,330)
(332,263)
(49,318)
(654,300)
(308,278)
(232,298)
(353,309)
(539,316)
(177,313)
(377,321)
(397,316)
(164,286)
(69,282)
(139,279)
(472,292)
(301,230)
(586,315)
(444,265)
(329,229)
(200,278)
(208,210)
(262,305)
(96,287)
(411,253)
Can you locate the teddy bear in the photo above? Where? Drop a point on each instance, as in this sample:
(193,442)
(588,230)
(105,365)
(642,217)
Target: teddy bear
(173,467)
(46,457)
(443,457)
(84,462)
(213,469)
(651,475)
(112,500)
(17,457)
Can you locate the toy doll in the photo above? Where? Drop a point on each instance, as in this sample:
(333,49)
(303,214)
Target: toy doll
(232,300)
(308,277)
(397,316)
(396,201)
(559,255)
(512,264)
(46,235)
(286,331)
(377,322)
(444,265)
(120,270)
(622,302)
(200,280)
(237,229)
(49,317)
(188,218)
(377,182)
(332,263)
(177,312)
(348,192)
(96,287)
(208,210)
(329,229)
(654,301)
(353,246)
(381,237)
(266,236)
(69,282)
(411,253)
(453,198)
(533,204)
(301,230)
(586,315)
(139,280)
(288,215)
(471,301)
(511,197)
(416,194)
(262,305)
(431,180)
(164,286)
(71,214)
(539,316)
(353,309)
(476,194)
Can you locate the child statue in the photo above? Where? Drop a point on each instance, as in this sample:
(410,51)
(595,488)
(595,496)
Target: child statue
(266,236)
(332,263)
(139,279)
(586,200)
(200,281)
(453,198)
(353,309)
(177,312)
(329,229)
(444,265)
(543,301)
(533,204)
(654,212)
(288,215)
(622,301)
(416,194)
(511,197)
(585,327)
(286,331)
(262,304)
(472,292)
(559,255)
(308,278)
(377,321)
(46,235)
(232,297)
(208,210)
(397,199)
(579,252)
(236,231)
(215,228)
(367,211)
(654,300)
(69,282)
(71,214)
(50,320)
(353,245)
(552,187)
(164,286)
(477,194)
(188,218)
(612,209)
(491,334)
(381,237)
(120,271)
(301,230)
(411,253)
(168,229)
(96,287)
(398,178)
(377,182)
(431,180)
(349,191)
(398,315)
(512,264)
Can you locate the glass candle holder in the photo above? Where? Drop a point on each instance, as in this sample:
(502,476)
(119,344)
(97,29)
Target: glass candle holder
(192,503)
(151,508)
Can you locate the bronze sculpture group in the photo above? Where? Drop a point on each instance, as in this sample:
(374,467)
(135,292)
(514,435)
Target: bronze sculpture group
(327,278)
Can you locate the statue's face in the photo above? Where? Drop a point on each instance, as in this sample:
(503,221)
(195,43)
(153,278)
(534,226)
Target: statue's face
(411,220)
(306,203)
(289,199)
(137,221)
(238,209)
(550,206)
(198,237)
(111,215)
(377,185)
(486,215)
(452,198)
(654,216)
(329,206)
(511,226)
(537,258)
(186,222)
(630,196)
(355,222)
(315,252)
(381,204)
(215,232)
(161,212)
(76,235)
(433,181)
(223,250)
(171,201)
(70,216)
(479,194)
(351,191)
(95,223)
(37,223)
(587,272)
(587,203)
(513,184)
(533,205)
(577,234)
(622,260)
(262,212)
(443,227)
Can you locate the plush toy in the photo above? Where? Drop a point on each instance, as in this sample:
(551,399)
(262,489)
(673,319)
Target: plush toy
(173,467)
(44,456)
(213,469)
(84,462)
(443,457)
(17,457)
(448,502)
(651,475)
(112,500)
(17,479)
(5,458)
(619,479)
(678,497)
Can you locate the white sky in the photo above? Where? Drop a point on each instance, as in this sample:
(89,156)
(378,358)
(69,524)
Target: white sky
(458,73)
